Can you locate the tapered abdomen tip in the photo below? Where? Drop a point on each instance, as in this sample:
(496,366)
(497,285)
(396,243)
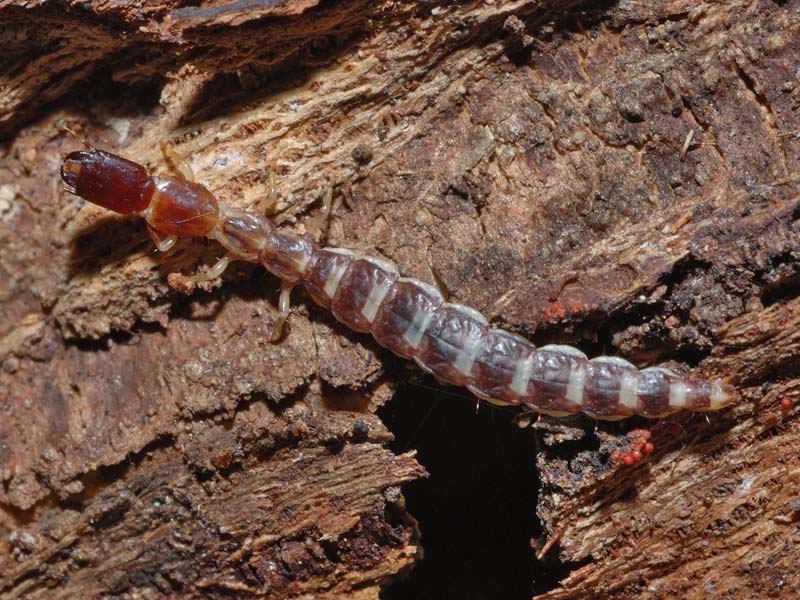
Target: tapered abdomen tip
(722,394)
(107,180)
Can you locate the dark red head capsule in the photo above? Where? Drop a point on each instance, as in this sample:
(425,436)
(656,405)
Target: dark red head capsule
(107,180)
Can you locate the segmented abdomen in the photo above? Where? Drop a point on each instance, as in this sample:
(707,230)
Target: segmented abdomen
(456,344)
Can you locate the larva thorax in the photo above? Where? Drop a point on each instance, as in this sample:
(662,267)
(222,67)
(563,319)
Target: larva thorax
(455,343)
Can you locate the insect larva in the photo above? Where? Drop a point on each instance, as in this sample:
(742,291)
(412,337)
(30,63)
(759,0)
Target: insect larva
(411,318)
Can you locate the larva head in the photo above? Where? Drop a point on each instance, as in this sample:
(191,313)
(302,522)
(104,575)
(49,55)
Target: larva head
(107,180)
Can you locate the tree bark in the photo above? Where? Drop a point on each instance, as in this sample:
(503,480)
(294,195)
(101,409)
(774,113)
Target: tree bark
(622,176)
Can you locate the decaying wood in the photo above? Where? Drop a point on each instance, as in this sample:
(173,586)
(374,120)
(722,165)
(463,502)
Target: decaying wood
(622,176)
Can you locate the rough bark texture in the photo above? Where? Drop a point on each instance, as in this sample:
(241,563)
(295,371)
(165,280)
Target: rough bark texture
(617,175)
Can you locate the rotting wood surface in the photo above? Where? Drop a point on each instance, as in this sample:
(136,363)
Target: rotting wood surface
(531,156)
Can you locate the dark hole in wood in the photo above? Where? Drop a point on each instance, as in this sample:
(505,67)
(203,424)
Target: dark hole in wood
(477,510)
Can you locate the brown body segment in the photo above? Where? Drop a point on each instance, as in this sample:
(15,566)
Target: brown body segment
(286,255)
(325,271)
(180,207)
(601,395)
(499,360)
(654,392)
(410,318)
(451,343)
(699,394)
(553,383)
(404,315)
(361,291)
(243,233)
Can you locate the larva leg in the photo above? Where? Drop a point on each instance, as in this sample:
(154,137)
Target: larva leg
(551,541)
(526,418)
(560,285)
(284,306)
(440,284)
(267,205)
(177,162)
(315,224)
(214,272)
(164,244)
